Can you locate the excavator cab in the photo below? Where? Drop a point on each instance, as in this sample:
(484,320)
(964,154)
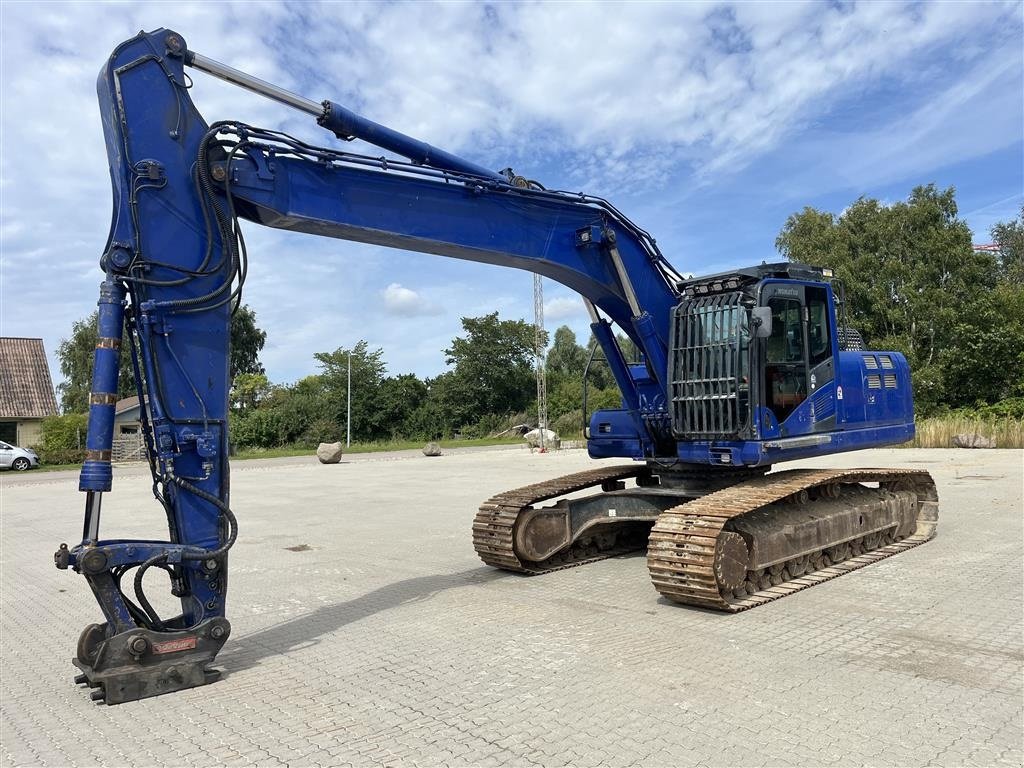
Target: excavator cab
(758,373)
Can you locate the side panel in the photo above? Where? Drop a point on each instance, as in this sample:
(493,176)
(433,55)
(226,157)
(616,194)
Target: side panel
(874,388)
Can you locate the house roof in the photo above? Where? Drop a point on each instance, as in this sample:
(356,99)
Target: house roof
(126,404)
(26,390)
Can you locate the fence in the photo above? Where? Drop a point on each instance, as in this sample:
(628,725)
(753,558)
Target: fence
(130,447)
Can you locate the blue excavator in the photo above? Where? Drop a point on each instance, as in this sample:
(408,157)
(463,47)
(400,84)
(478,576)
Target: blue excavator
(738,372)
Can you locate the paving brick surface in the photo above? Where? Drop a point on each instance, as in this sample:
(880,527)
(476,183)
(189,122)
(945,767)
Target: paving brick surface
(388,643)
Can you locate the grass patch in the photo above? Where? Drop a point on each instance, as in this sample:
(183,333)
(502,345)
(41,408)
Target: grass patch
(291,450)
(53,468)
(374,447)
(938,431)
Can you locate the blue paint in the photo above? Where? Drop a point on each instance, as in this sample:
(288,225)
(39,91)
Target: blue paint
(346,124)
(96,473)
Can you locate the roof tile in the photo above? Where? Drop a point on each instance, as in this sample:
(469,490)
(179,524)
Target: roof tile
(26,389)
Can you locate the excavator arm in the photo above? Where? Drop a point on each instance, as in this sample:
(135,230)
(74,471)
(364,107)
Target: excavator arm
(175,262)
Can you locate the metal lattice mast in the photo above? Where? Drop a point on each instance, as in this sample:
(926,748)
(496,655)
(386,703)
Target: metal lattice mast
(538,343)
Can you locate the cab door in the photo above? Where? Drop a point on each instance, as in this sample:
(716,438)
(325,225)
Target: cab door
(785,380)
(798,357)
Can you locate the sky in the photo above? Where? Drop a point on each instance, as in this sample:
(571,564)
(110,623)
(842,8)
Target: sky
(707,124)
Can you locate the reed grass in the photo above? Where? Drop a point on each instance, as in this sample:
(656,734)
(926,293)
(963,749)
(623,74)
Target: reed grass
(938,431)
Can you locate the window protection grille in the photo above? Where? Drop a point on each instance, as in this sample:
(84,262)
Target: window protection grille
(709,379)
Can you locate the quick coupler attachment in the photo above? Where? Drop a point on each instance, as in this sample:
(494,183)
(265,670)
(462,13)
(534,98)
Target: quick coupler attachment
(135,654)
(140,663)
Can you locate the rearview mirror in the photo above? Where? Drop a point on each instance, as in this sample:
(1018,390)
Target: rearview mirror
(761,319)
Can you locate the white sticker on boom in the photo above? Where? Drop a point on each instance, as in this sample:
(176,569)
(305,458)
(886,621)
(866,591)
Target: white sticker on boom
(611,513)
(839,393)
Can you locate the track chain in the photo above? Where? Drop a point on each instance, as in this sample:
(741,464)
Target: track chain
(494,525)
(684,541)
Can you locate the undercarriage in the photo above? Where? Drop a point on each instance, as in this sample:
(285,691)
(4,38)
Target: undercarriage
(727,540)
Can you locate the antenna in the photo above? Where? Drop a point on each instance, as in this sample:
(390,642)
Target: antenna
(538,348)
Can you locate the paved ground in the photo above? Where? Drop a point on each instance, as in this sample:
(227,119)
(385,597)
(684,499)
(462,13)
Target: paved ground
(388,642)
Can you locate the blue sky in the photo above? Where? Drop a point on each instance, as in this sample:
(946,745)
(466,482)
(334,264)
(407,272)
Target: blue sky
(708,124)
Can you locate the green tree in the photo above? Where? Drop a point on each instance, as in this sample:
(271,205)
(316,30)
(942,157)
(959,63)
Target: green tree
(248,390)
(285,415)
(914,284)
(1009,236)
(367,373)
(63,439)
(398,398)
(247,341)
(630,351)
(566,359)
(76,356)
(987,363)
(493,370)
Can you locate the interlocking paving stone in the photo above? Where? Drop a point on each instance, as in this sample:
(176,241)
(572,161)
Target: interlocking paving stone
(389,643)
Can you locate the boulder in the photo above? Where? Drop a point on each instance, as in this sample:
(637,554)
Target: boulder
(551,439)
(973,441)
(431,449)
(329,453)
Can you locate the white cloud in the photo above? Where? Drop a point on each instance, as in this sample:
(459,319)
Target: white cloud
(708,86)
(562,307)
(630,100)
(405,302)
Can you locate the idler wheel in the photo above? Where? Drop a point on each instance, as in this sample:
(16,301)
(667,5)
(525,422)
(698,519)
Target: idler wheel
(730,561)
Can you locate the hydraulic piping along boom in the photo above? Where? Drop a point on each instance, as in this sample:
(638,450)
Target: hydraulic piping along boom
(344,123)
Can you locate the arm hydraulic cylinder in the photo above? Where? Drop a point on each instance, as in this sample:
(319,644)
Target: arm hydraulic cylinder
(344,123)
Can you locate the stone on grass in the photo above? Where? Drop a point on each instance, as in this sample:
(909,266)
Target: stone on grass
(329,453)
(431,449)
(973,441)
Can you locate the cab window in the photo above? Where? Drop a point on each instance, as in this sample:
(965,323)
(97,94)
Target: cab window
(786,344)
(819,335)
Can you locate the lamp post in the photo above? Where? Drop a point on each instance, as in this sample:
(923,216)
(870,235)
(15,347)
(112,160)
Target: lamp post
(348,405)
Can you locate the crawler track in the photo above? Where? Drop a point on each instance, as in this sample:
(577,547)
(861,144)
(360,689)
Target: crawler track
(687,544)
(494,524)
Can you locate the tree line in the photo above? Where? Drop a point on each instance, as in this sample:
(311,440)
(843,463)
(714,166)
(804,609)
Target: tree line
(913,282)
(490,386)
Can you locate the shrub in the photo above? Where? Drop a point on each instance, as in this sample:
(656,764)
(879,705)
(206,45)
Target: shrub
(569,426)
(1011,408)
(63,439)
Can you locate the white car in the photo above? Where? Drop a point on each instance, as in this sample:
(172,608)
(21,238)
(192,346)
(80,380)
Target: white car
(13,457)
